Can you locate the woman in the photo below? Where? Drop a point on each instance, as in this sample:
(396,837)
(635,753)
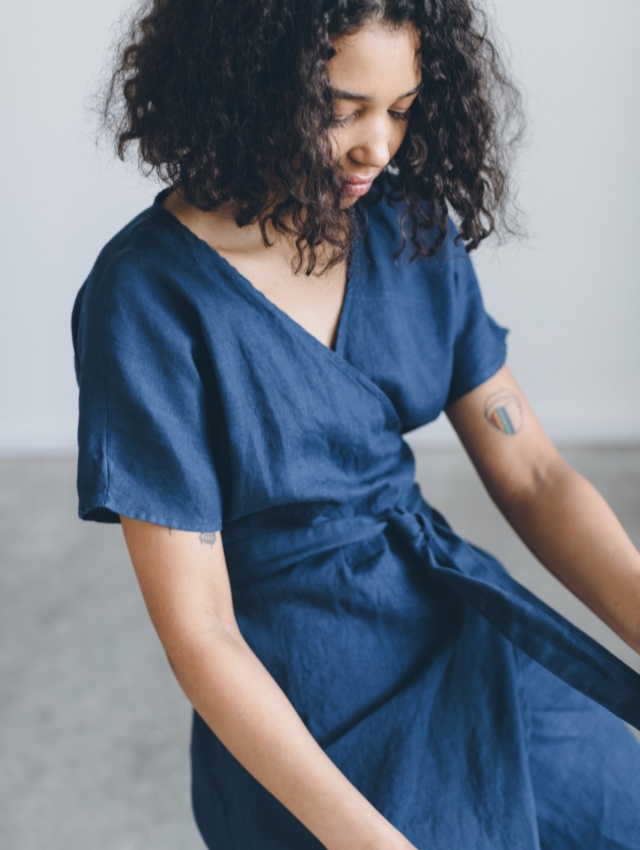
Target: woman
(250,350)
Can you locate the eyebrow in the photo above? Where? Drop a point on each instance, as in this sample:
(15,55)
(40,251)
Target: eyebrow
(339,94)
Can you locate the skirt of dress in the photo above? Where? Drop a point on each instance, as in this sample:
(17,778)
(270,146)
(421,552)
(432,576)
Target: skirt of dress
(458,737)
(584,764)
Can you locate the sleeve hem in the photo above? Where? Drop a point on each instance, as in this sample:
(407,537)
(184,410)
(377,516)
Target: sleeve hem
(106,511)
(480,377)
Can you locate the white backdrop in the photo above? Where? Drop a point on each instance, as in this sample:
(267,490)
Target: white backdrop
(570,293)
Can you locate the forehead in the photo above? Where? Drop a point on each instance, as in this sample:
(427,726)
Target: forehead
(376,60)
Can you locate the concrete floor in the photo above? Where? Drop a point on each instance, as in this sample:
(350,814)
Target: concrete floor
(94,729)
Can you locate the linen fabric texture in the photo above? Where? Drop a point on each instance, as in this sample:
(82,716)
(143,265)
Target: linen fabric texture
(469,712)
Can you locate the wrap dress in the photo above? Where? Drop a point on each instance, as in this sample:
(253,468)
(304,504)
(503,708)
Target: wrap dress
(470,713)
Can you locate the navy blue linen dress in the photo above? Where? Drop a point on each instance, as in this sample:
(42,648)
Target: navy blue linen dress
(471,714)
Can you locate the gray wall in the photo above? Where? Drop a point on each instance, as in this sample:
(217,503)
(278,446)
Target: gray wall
(569,293)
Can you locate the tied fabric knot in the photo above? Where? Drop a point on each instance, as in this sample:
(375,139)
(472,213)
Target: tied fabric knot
(411,524)
(522,617)
(479,579)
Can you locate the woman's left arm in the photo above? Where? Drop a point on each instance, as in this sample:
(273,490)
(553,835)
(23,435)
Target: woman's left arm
(556,511)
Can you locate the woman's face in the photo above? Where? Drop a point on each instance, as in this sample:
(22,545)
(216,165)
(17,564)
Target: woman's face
(375,75)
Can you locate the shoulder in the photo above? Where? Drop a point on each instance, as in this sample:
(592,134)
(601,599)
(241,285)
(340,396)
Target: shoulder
(140,285)
(146,253)
(148,259)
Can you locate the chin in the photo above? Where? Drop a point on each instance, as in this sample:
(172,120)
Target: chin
(347,201)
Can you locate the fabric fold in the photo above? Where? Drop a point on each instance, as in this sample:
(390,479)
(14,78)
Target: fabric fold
(523,618)
(480,579)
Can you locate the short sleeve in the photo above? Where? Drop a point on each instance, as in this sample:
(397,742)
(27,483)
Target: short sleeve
(147,425)
(480,343)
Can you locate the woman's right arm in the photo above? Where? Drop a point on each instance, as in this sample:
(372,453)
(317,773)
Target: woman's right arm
(185,585)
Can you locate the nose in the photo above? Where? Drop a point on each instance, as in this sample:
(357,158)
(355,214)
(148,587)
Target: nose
(374,147)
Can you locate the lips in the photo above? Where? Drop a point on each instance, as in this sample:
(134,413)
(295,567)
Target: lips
(359,185)
(361,181)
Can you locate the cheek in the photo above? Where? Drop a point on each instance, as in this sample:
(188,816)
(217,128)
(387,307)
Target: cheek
(339,145)
(399,136)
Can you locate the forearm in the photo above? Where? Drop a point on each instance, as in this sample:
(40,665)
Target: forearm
(244,706)
(571,529)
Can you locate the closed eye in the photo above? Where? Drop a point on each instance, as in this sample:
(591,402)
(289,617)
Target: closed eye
(348,119)
(343,122)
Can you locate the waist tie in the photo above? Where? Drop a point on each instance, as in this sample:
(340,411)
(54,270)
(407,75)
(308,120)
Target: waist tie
(477,576)
(523,618)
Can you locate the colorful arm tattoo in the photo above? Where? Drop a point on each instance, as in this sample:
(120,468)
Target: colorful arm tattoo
(504,411)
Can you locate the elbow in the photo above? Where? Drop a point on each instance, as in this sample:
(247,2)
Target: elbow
(187,644)
(200,661)
(548,473)
(533,483)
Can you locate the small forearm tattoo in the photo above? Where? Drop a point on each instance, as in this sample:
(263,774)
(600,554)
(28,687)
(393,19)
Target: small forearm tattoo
(504,411)
(208,538)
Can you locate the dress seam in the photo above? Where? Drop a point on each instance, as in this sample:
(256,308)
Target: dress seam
(105,383)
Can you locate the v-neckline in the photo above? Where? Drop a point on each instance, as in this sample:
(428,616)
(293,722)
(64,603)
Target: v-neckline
(352,274)
(355,269)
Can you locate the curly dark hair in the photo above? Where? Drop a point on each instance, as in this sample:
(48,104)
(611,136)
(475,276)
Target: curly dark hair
(230,100)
